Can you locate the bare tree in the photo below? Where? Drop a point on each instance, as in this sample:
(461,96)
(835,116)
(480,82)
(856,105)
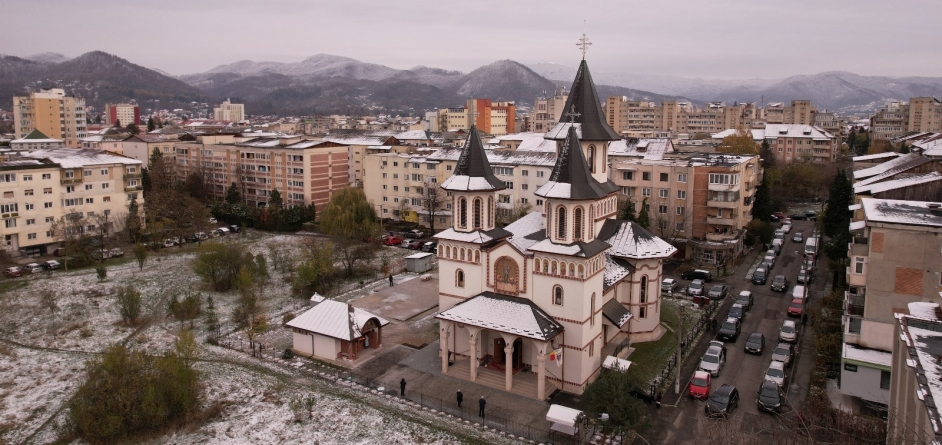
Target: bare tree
(71,230)
(670,224)
(519,210)
(433,203)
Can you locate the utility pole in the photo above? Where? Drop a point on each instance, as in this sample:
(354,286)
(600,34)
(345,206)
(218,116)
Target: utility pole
(680,336)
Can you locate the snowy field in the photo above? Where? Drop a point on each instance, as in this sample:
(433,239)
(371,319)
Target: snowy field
(43,351)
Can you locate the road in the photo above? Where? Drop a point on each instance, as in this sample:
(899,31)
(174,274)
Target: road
(673,423)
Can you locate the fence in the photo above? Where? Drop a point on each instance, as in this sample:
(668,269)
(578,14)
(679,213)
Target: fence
(686,343)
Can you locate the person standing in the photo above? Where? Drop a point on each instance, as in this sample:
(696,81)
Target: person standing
(402,388)
(481,404)
(460,397)
(390,280)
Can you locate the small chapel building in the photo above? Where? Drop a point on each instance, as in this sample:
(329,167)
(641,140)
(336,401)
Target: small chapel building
(556,290)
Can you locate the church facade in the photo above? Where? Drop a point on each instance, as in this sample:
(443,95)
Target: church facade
(561,288)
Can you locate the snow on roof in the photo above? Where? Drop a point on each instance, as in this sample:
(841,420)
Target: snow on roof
(866,355)
(885,155)
(630,240)
(616,312)
(921,331)
(335,319)
(553,189)
(757,134)
(412,135)
(562,129)
(463,182)
(260,143)
(651,148)
(924,310)
(854,207)
(879,187)
(615,270)
(515,137)
(356,140)
(504,157)
(475,237)
(612,362)
(420,255)
(562,415)
(503,313)
(527,231)
(885,166)
(896,211)
(77,158)
(857,225)
(796,131)
(577,249)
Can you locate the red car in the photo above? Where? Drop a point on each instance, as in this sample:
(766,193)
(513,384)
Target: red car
(796,308)
(699,385)
(392,240)
(13,272)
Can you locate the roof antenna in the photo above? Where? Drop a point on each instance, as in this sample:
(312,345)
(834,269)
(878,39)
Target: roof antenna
(584,42)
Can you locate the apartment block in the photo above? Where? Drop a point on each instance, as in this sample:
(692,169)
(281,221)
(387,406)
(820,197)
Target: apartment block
(35,140)
(792,142)
(921,114)
(703,198)
(895,259)
(913,416)
(888,123)
(801,112)
(142,146)
(547,111)
(53,113)
(490,117)
(303,171)
(42,186)
(644,119)
(124,114)
(228,111)
(925,114)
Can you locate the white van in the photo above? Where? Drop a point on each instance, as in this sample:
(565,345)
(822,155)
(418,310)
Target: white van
(798,292)
(811,246)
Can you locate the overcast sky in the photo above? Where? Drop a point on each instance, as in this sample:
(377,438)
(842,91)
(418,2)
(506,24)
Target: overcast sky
(723,39)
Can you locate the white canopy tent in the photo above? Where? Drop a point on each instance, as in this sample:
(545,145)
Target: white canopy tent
(563,418)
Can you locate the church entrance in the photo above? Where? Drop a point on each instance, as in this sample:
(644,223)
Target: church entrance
(500,357)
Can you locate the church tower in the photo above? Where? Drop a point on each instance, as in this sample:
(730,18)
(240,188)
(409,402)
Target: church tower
(472,187)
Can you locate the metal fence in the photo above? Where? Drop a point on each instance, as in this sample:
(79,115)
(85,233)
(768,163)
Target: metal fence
(686,343)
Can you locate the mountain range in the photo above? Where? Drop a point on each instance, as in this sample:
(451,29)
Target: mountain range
(326,84)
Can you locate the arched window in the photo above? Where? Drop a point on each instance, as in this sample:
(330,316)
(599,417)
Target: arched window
(592,310)
(490,209)
(561,222)
(643,295)
(440,250)
(581,271)
(462,254)
(545,266)
(462,212)
(572,269)
(477,256)
(459,278)
(592,158)
(577,224)
(477,213)
(558,295)
(536,265)
(554,268)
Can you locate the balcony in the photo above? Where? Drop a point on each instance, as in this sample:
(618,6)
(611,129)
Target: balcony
(75,180)
(854,304)
(856,279)
(852,329)
(133,188)
(721,221)
(723,204)
(133,176)
(721,236)
(723,187)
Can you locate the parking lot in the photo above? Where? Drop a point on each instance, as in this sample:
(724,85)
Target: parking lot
(746,371)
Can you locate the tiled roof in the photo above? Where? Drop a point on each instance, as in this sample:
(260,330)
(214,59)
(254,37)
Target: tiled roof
(630,240)
(616,313)
(335,319)
(584,99)
(473,172)
(503,313)
(571,178)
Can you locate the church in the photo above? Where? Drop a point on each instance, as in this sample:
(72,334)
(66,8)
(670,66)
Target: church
(556,292)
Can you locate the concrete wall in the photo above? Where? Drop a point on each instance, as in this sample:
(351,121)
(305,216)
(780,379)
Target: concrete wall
(864,383)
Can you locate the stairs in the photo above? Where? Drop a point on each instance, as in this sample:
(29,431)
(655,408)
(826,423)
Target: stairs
(524,383)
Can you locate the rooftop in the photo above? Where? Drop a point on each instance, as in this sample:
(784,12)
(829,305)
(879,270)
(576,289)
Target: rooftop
(630,240)
(571,178)
(473,172)
(334,319)
(894,211)
(77,158)
(921,331)
(504,313)
(652,148)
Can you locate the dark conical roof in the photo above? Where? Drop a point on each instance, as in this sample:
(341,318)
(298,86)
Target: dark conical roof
(571,178)
(473,172)
(584,99)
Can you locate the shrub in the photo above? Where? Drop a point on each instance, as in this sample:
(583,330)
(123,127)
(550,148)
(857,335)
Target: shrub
(129,303)
(218,263)
(101,271)
(288,354)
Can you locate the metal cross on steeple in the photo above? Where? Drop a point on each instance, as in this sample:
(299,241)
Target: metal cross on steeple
(584,44)
(572,114)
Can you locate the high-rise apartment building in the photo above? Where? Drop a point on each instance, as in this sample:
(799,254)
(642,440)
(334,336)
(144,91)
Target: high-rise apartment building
(643,119)
(228,111)
(53,113)
(495,118)
(800,112)
(124,114)
(547,111)
(921,114)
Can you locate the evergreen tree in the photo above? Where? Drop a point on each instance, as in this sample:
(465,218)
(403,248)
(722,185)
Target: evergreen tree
(852,139)
(643,218)
(133,222)
(117,123)
(232,194)
(151,126)
(275,201)
(628,211)
(762,207)
(767,156)
(133,129)
(836,215)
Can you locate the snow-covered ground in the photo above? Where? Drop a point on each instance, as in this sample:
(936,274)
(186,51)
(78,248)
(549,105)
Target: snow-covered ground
(43,352)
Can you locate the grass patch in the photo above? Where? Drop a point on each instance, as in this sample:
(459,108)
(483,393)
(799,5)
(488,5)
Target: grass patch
(649,358)
(13,284)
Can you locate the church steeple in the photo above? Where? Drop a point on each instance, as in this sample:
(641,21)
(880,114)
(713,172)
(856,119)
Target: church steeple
(571,178)
(473,185)
(586,109)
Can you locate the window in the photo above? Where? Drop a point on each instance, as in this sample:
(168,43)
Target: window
(509,185)
(448,167)
(645,176)
(27,177)
(88,172)
(663,193)
(523,186)
(561,222)
(9,223)
(406,189)
(30,206)
(88,186)
(524,173)
(662,209)
(718,178)
(592,158)
(28,192)
(8,177)
(104,172)
(477,213)
(106,185)
(885,379)
(628,176)
(49,219)
(859,265)
(681,210)
(539,174)
(31,236)
(47,175)
(592,311)
(459,278)
(70,189)
(69,174)
(592,348)
(132,183)
(47,205)
(682,177)
(384,175)
(30,222)
(462,212)
(47,191)
(643,294)
(681,194)
(89,200)
(505,171)
(665,177)
(9,208)
(645,191)
(577,224)
(539,202)
(557,295)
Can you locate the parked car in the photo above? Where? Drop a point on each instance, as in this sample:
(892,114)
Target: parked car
(798,237)
(796,308)
(58,252)
(415,233)
(212,221)
(755,343)
(411,244)
(769,258)
(811,215)
(33,268)
(102,254)
(778,215)
(713,359)
(216,233)
(170,242)
(729,331)
(779,283)
(745,299)
(392,240)
(224,230)
(697,274)
(737,311)
(786,228)
(788,332)
(776,246)
(668,285)
(797,216)
(429,246)
(235,229)
(51,265)
(760,275)
(776,373)
(723,401)
(804,277)
(784,353)
(13,272)
(798,292)
(696,288)
(116,252)
(779,234)
(699,387)
(718,292)
(770,397)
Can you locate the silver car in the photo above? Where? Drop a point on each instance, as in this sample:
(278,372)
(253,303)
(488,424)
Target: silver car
(784,353)
(789,331)
(776,373)
(713,359)
(695,288)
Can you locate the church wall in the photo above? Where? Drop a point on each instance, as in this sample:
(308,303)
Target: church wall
(630,292)
(523,277)
(448,272)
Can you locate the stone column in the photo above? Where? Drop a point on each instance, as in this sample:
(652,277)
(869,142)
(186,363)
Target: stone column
(473,341)
(509,366)
(443,338)
(541,374)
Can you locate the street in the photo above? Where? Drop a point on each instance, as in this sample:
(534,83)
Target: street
(673,422)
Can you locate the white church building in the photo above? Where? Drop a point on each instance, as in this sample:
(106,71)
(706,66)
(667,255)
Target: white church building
(555,291)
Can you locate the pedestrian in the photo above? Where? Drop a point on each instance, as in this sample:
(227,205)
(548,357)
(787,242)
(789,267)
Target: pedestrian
(390,280)
(460,398)
(657,399)
(713,325)
(481,404)
(402,387)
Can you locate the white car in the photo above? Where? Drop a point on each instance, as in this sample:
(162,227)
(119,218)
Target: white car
(212,221)
(789,331)
(786,228)
(32,268)
(776,373)
(668,285)
(769,258)
(713,359)
(696,288)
